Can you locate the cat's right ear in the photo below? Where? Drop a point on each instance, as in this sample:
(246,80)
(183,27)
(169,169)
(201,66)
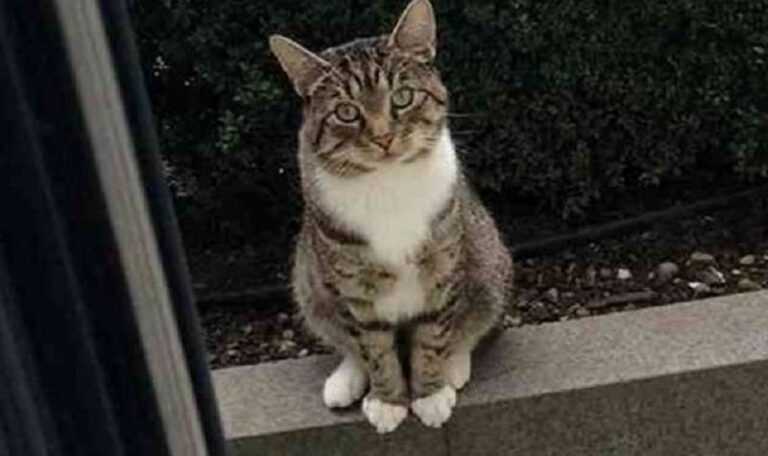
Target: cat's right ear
(302,66)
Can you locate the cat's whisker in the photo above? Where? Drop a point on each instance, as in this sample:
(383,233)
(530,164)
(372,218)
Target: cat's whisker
(465,115)
(465,132)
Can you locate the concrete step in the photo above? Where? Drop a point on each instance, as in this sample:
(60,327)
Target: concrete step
(685,379)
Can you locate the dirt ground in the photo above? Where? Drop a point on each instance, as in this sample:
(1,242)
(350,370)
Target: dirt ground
(691,258)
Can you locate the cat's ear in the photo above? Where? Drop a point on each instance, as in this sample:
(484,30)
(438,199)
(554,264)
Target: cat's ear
(302,66)
(416,31)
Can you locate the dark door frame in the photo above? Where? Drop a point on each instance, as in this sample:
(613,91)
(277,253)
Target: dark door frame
(101,350)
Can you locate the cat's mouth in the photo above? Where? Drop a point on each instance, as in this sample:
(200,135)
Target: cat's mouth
(382,155)
(400,156)
(402,153)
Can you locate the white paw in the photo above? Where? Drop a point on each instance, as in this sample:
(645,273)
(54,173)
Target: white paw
(435,410)
(458,369)
(346,385)
(385,417)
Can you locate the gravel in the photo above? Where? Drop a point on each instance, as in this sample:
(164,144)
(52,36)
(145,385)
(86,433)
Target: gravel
(666,271)
(689,259)
(701,258)
(748,285)
(748,260)
(624,274)
(711,276)
(700,289)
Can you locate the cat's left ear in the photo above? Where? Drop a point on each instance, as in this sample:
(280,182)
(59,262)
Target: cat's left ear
(416,31)
(302,66)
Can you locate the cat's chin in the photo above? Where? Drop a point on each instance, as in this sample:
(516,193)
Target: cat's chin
(387,159)
(382,163)
(395,159)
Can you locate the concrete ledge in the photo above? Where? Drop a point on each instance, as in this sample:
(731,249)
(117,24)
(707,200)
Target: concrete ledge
(686,379)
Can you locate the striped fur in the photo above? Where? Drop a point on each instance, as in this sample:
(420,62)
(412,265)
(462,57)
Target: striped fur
(395,247)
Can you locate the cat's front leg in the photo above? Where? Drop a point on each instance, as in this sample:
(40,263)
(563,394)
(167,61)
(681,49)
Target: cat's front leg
(434,397)
(385,405)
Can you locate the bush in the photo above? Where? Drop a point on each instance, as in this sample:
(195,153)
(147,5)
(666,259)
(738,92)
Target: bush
(569,102)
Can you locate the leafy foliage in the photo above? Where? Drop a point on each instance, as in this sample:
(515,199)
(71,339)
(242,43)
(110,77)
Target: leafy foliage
(571,102)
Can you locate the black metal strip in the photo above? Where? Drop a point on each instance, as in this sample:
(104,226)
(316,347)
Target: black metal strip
(140,117)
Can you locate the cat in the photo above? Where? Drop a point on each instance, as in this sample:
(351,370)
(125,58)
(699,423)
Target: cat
(398,264)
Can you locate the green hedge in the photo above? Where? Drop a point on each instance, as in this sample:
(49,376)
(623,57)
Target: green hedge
(569,102)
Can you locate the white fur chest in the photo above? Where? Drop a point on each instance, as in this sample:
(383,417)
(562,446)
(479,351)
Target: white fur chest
(392,209)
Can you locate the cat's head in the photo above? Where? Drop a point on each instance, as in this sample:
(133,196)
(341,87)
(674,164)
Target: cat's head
(371,102)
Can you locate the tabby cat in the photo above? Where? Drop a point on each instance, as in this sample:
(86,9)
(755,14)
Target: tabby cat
(398,265)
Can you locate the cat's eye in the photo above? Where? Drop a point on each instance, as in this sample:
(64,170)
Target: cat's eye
(347,112)
(402,98)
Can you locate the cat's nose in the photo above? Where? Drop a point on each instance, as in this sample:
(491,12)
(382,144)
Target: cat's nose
(384,141)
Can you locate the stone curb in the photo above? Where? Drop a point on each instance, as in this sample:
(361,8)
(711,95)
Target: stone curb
(685,379)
